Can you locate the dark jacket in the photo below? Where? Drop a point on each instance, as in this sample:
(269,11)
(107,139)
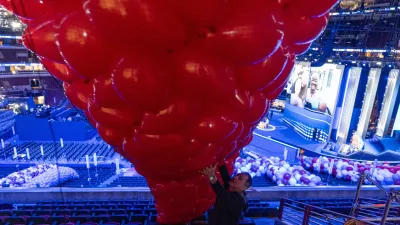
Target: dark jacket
(229,205)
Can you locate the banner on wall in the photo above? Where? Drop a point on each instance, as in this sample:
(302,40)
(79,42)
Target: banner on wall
(311,99)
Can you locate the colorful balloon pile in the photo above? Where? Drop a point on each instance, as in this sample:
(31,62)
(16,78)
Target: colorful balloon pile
(42,175)
(172,84)
(350,170)
(257,166)
(285,175)
(277,170)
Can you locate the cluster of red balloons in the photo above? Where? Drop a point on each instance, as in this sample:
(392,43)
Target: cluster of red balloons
(174,86)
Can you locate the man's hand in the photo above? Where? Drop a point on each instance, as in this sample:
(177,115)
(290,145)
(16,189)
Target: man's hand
(210,173)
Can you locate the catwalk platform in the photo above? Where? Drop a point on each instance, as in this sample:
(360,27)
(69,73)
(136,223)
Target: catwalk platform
(33,195)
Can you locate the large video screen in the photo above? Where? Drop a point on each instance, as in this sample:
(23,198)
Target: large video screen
(311,99)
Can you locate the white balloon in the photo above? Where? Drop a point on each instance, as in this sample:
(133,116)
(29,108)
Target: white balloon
(350,173)
(292,181)
(279,176)
(312,184)
(286,166)
(237,165)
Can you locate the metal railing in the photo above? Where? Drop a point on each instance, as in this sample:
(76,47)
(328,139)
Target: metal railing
(367,209)
(299,213)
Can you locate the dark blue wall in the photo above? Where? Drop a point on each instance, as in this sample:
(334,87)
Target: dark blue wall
(40,129)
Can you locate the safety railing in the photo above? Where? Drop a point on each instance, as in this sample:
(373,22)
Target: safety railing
(375,210)
(299,213)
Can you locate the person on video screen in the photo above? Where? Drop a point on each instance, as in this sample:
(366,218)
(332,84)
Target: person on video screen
(298,93)
(314,98)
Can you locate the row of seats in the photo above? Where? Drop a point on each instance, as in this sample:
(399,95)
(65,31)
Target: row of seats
(88,220)
(79,212)
(115,212)
(72,151)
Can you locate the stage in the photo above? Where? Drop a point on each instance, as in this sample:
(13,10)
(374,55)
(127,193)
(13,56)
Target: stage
(33,195)
(277,136)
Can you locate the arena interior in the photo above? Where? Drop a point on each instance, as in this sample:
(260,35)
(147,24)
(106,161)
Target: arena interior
(326,152)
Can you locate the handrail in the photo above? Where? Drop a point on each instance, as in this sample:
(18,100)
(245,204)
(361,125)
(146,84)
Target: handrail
(310,209)
(392,195)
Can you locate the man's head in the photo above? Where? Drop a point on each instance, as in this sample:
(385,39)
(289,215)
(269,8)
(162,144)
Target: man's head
(240,182)
(314,82)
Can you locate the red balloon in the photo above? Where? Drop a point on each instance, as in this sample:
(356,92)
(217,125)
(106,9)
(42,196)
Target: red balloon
(201,14)
(175,116)
(28,9)
(226,150)
(117,118)
(105,94)
(81,46)
(40,38)
(40,9)
(246,107)
(78,93)
(235,134)
(281,78)
(113,137)
(195,191)
(203,160)
(213,129)
(249,32)
(59,70)
(150,23)
(160,142)
(257,76)
(141,83)
(203,75)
